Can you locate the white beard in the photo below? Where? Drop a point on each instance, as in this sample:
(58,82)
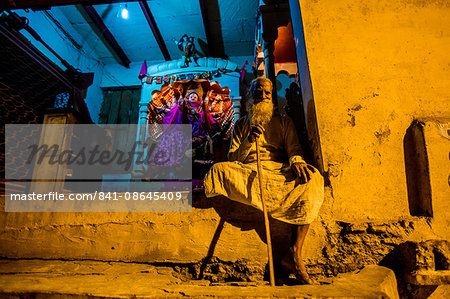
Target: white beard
(260,113)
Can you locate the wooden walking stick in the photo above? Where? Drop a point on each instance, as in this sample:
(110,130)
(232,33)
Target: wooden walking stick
(266,216)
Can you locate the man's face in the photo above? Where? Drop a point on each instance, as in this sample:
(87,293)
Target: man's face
(263,92)
(260,106)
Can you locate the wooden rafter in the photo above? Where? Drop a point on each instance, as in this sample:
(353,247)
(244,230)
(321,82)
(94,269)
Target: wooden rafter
(105,35)
(154,27)
(213,29)
(206,25)
(45,4)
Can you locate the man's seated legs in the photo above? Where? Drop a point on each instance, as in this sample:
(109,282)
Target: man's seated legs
(293,260)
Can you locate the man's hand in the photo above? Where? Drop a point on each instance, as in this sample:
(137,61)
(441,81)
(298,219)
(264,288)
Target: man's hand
(303,170)
(255,131)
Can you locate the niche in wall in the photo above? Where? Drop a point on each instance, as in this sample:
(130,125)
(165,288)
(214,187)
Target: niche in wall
(417,171)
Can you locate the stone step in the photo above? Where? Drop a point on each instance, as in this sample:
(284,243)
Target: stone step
(92,279)
(220,227)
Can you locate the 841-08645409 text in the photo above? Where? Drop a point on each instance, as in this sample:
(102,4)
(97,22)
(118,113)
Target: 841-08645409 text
(140,195)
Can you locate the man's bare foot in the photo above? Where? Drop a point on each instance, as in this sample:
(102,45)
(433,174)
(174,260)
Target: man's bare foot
(293,263)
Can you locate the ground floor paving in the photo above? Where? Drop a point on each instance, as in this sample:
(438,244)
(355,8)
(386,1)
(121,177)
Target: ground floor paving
(35,278)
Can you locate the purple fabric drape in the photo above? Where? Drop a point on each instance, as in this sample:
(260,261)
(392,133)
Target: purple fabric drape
(198,120)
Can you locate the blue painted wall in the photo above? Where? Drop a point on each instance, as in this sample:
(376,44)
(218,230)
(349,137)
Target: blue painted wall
(86,59)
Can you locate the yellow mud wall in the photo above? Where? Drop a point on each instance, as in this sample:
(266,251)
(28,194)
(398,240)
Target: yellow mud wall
(375,66)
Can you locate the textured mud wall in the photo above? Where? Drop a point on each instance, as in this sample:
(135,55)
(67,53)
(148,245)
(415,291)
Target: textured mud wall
(375,66)
(437,143)
(229,235)
(141,237)
(218,241)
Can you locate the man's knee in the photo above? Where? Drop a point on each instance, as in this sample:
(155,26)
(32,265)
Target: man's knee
(317,177)
(219,167)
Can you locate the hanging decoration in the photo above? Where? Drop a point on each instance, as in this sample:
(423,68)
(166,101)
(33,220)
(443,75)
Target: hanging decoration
(242,72)
(143,72)
(174,78)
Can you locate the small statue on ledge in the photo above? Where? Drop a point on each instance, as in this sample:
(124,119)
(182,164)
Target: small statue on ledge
(187,46)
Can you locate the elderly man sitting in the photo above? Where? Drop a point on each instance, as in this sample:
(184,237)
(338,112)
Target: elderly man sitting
(293,188)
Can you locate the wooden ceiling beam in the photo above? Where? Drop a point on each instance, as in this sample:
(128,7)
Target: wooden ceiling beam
(206,26)
(154,27)
(213,30)
(105,35)
(22,43)
(45,4)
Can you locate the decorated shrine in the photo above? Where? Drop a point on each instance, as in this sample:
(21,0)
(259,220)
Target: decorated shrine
(167,98)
